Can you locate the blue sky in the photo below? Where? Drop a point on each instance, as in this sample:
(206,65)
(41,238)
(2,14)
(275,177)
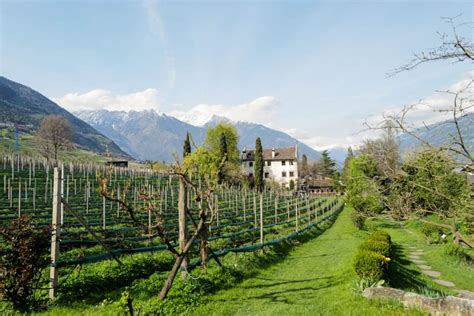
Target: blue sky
(315,69)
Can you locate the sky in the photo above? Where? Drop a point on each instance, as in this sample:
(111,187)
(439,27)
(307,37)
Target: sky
(314,69)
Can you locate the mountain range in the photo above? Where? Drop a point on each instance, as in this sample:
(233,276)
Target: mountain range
(441,133)
(25,108)
(149,135)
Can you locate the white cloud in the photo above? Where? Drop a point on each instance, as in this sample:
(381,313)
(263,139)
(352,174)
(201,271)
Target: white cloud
(260,110)
(432,109)
(100,99)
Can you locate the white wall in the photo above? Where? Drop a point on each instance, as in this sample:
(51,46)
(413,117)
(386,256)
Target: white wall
(275,171)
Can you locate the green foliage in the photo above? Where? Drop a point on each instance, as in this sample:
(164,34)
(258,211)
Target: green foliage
(373,257)
(358,219)
(222,152)
(434,186)
(457,251)
(432,233)
(213,140)
(186,146)
(362,191)
(20,267)
(328,164)
(378,246)
(258,165)
(292,185)
(381,235)
(202,164)
(370,265)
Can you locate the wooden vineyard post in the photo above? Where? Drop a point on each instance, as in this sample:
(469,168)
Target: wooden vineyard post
(296,214)
(276,209)
(55,234)
(19,197)
(255,209)
(261,218)
(288,208)
(243,204)
(183,230)
(62,194)
(103,212)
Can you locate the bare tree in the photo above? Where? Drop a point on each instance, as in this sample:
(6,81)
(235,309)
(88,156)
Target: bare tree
(201,218)
(54,134)
(462,104)
(453,47)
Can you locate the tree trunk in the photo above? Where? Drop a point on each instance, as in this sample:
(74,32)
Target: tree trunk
(204,245)
(183,231)
(169,281)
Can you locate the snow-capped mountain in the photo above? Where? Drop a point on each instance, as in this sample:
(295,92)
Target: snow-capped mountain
(148,135)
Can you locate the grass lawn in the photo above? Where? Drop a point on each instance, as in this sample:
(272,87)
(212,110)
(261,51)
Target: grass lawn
(316,278)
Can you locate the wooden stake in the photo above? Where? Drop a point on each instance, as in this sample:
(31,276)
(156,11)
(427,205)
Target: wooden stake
(55,231)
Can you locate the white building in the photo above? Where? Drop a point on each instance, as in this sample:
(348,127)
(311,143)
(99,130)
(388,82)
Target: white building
(280,164)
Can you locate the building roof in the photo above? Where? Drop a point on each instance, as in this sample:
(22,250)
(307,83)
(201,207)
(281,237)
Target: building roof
(289,153)
(311,182)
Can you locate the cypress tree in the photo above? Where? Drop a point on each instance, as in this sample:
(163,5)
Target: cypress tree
(186,146)
(223,147)
(258,165)
(223,157)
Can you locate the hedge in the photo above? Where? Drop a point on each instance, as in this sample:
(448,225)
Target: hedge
(372,259)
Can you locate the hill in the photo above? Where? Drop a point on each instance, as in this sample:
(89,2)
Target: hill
(25,108)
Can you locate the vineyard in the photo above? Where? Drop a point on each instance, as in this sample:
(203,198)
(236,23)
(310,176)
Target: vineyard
(92,229)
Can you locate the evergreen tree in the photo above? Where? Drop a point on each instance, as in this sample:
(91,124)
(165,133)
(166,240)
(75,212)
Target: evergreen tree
(186,146)
(223,147)
(304,170)
(258,165)
(223,157)
(328,164)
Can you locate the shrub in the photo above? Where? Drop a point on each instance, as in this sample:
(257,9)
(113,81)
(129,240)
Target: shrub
(372,260)
(381,235)
(379,246)
(370,265)
(457,251)
(358,220)
(432,233)
(20,267)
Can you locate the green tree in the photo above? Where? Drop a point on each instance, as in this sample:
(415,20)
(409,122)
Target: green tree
(221,142)
(186,146)
(328,164)
(258,165)
(292,185)
(213,140)
(223,156)
(430,186)
(304,169)
(345,169)
(363,189)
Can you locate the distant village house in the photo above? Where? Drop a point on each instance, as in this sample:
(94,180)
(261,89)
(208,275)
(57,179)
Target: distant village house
(280,164)
(118,163)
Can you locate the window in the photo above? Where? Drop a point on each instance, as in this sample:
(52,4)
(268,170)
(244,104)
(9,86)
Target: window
(283,174)
(269,163)
(292,174)
(266,175)
(250,163)
(291,163)
(283,163)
